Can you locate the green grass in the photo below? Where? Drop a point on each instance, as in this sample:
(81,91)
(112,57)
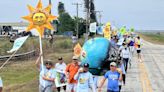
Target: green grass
(153,37)
(23,76)
(17,74)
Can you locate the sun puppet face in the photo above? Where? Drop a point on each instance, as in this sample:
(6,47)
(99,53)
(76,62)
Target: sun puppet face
(39,18)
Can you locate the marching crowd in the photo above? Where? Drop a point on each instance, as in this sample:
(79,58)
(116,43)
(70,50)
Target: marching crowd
(79,78)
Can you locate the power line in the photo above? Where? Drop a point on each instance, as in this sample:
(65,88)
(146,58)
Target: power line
(50,3)
(77,18)
(88,12)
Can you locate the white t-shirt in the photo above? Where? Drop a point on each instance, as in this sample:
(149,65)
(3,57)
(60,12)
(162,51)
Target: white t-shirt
(85,82)
(125,53)
(121,48)
(1,84)
(60,67)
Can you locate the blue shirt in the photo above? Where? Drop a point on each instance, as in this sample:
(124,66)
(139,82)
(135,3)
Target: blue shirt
(47,73)
(113,80)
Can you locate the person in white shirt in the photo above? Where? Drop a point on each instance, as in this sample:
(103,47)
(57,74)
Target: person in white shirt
(138,43)
(121,66)
(121,47)
(125,54)
(60,67)
(85,79)
(1,85)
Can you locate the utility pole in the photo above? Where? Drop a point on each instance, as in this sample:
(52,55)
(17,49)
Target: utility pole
(50,4)
(77,16)
(100,16)
(88,11)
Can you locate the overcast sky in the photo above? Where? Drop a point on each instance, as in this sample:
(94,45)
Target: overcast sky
(140,14)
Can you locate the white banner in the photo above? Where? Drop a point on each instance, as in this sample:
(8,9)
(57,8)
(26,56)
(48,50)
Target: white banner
(60,79)
(18,43)
(93,27)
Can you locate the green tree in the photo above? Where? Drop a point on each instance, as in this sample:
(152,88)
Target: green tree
(66,23)
(92,9)
(82,26)
(61,8)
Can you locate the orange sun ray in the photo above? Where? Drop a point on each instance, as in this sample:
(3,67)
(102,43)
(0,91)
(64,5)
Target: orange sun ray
(28,18)
(39,6)
(39,18)
(49,26)
(47,9)
(50,18)
(30,27)
(30,8)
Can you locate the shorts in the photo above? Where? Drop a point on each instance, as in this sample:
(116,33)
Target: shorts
(138,51)
(71,86)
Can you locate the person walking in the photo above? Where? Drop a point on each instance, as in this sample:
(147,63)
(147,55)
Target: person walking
(46,76)
(1,85)
(84,79)
(121,66)
(70,72)
(125,54)
(113,76)
(138,44)
(60,67)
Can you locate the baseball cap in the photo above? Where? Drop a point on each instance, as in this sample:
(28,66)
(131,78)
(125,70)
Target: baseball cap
(60,58)
(75,58)
(113,64)
(86,65)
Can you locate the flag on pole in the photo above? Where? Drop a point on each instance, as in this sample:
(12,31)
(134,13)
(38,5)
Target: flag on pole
(18,43)
(107,31)
(123,31)
(132,30)
(100,30)
(77,50)
(92,27)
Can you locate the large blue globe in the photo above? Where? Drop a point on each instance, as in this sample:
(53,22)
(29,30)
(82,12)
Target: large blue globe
(95,51)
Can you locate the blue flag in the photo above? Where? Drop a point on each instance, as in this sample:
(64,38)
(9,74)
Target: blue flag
(100,30)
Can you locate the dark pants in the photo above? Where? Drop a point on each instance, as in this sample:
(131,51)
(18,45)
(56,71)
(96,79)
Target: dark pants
(58,88)
(119,88)
(111,91)
(124,78)
(125,61)
(0,89)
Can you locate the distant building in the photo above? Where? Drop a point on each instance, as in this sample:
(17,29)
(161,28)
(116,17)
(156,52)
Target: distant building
(20,27)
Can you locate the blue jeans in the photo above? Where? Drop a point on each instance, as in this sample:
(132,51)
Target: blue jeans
(111,91)
(125,61)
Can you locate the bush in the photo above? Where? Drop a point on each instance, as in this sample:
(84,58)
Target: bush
(66,44)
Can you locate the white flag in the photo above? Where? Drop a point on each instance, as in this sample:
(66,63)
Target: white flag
(18,43)
(93,27)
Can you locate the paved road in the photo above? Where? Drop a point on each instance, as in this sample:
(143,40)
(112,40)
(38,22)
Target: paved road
(149,75)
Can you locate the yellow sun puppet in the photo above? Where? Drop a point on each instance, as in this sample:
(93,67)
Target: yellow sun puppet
(39,18)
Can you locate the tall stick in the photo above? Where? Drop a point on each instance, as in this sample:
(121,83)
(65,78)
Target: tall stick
(41,51)
(8,59)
